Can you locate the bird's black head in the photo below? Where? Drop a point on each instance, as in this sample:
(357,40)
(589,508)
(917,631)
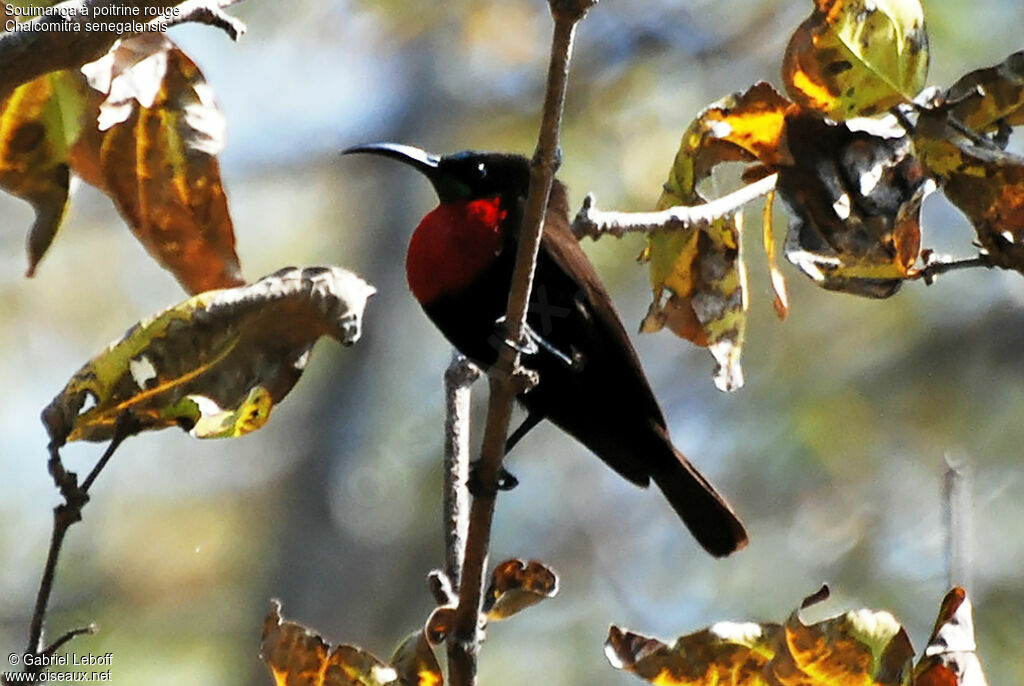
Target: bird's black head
(466,175)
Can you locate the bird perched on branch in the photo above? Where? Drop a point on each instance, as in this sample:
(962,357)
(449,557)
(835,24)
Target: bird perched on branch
(459,267)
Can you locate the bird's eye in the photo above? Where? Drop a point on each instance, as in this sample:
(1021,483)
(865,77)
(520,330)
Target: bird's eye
(482,169)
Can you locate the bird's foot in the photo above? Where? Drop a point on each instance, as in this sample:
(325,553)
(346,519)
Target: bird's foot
(506,481)
(525,345)
(532,342)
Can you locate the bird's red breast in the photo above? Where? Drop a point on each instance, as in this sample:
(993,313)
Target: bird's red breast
(452,245)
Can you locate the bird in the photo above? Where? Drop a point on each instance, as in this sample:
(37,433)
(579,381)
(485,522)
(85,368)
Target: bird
(590,384)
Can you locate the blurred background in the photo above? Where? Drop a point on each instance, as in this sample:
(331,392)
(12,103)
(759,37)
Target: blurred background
(833,452)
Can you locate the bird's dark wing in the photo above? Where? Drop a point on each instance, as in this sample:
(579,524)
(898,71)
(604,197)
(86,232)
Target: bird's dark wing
(561,246)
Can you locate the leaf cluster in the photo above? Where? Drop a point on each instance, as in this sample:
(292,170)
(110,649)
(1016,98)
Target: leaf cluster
(856,146)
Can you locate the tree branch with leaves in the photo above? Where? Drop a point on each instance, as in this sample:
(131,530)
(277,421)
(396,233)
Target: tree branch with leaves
(852,151)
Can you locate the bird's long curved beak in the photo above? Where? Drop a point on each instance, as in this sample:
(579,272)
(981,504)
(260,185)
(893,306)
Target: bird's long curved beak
(421,160)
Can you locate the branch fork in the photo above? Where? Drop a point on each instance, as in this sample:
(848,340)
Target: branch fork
(76,497)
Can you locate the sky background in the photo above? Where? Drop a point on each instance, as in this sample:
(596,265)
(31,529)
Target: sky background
(832,452)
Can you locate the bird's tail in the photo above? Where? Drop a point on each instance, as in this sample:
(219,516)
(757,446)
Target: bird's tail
(707,514)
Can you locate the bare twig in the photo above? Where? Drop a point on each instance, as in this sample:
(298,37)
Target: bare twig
(505,377)
(458,378)
(67,636)
(595,223)
(210,13)
(934,268)
(956,497)
(62,41)
(64,515)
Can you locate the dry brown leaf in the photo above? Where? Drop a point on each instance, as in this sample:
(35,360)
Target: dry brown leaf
(986,99)
(153,150)
(860,648)
(854,199)
(950,658)
(976,174)
(38,121)
(698,275)
(415,662)
(297,656)
(516,585)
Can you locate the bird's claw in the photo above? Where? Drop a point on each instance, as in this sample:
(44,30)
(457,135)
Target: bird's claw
(505,481)
(532,342)
(525,345)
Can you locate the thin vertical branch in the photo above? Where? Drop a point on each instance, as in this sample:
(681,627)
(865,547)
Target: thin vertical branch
(506,379)
(956,499)
(458,379)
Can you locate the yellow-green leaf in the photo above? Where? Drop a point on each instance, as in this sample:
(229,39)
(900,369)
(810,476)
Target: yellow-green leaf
(854,58)
(726,653)
(215,363)
(976,174)
(153,149)
(987,98)
(860,648)
(38,123)
(777,280)
(297,656)
(697,275)
(210,421)
(516,585)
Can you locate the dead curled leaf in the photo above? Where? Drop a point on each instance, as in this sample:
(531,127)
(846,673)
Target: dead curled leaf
(977,175)
(214,364)
(440,624)
(415,662)
(858,647)
(516,585)
(985,100)
(34,140)
(140,123)
(950,658)
(854,198)
(296,656)
(151,144)
(698,275)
